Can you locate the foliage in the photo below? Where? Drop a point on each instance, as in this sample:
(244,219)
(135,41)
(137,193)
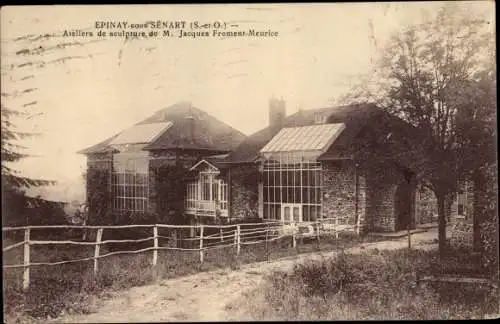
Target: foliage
(489,222)
(440,77)
(170,191)
(23,58)
(371,285)
(22,210)
(73,288)
(98,196)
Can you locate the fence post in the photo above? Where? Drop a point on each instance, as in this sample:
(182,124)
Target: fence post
(221,237)
(409,237)
(155,245)
(267,241)
(236,236)
(238,239)
(97,248)
(201,244)
(26,273)
(294,240)
(317,230)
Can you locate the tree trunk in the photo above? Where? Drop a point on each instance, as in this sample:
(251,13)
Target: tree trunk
(441,201)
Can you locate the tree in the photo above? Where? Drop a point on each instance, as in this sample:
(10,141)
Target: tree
(438,76)
(23,59)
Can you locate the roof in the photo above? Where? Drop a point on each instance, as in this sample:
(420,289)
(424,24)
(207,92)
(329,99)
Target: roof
(141,134)
(354,117)
(216,161)
(304,138)
(191,128)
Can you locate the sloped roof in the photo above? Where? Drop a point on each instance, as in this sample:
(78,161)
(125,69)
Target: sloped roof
(304,138)
(353,116)
(141,134)
(191,128)
(217,161)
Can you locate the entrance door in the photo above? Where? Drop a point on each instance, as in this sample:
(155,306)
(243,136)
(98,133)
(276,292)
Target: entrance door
(291,213)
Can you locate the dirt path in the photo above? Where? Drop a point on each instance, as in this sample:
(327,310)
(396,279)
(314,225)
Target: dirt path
(204,296)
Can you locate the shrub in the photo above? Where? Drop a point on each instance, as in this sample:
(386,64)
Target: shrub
(367,286)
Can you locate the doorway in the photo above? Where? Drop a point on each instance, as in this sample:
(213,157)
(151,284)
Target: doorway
(291,213)
(403,206)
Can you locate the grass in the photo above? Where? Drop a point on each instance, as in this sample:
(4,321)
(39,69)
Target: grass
(74,289)
(372,285)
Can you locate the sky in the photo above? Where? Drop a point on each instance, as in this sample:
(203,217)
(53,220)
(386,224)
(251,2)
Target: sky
(318,54)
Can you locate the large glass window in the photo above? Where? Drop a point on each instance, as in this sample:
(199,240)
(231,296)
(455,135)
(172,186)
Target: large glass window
(130,181)
(207,194)
(291,179)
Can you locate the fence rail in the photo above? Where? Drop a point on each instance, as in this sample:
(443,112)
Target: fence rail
(227,236)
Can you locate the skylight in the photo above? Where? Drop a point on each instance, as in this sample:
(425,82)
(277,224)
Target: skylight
(141,134)
(304,139)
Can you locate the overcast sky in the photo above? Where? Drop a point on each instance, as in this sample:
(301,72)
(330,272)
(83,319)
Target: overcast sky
(319,51)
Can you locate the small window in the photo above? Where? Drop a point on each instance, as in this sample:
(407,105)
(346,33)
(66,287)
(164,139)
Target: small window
(319,119)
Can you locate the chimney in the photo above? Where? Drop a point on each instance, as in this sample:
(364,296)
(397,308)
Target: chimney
(277,113)
(191,123)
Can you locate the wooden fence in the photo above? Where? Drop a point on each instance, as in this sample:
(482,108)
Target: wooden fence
(228,235)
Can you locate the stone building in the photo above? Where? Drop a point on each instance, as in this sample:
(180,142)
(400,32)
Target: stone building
(145,168)
(342,165)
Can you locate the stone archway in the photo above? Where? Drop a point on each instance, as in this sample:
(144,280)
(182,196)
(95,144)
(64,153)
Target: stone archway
(404,206)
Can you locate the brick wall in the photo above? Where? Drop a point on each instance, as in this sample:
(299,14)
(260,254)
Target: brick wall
(244,195)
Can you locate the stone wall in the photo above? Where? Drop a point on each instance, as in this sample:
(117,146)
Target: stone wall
(380,200)
(243,195)
(426,209)
(361,194)
(343,191)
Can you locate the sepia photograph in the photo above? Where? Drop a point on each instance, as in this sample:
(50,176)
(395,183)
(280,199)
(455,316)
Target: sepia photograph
(249,162)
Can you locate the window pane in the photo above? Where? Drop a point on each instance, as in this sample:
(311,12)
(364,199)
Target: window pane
(215,188)
(139,191)
(305,213)
(277,178)
(296,214)
(305,197)
(140,179)
(270,178)
(286,214)
(277,194)
(317,178)
(297,177)
(278,211)
(298,195)
(305,181)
